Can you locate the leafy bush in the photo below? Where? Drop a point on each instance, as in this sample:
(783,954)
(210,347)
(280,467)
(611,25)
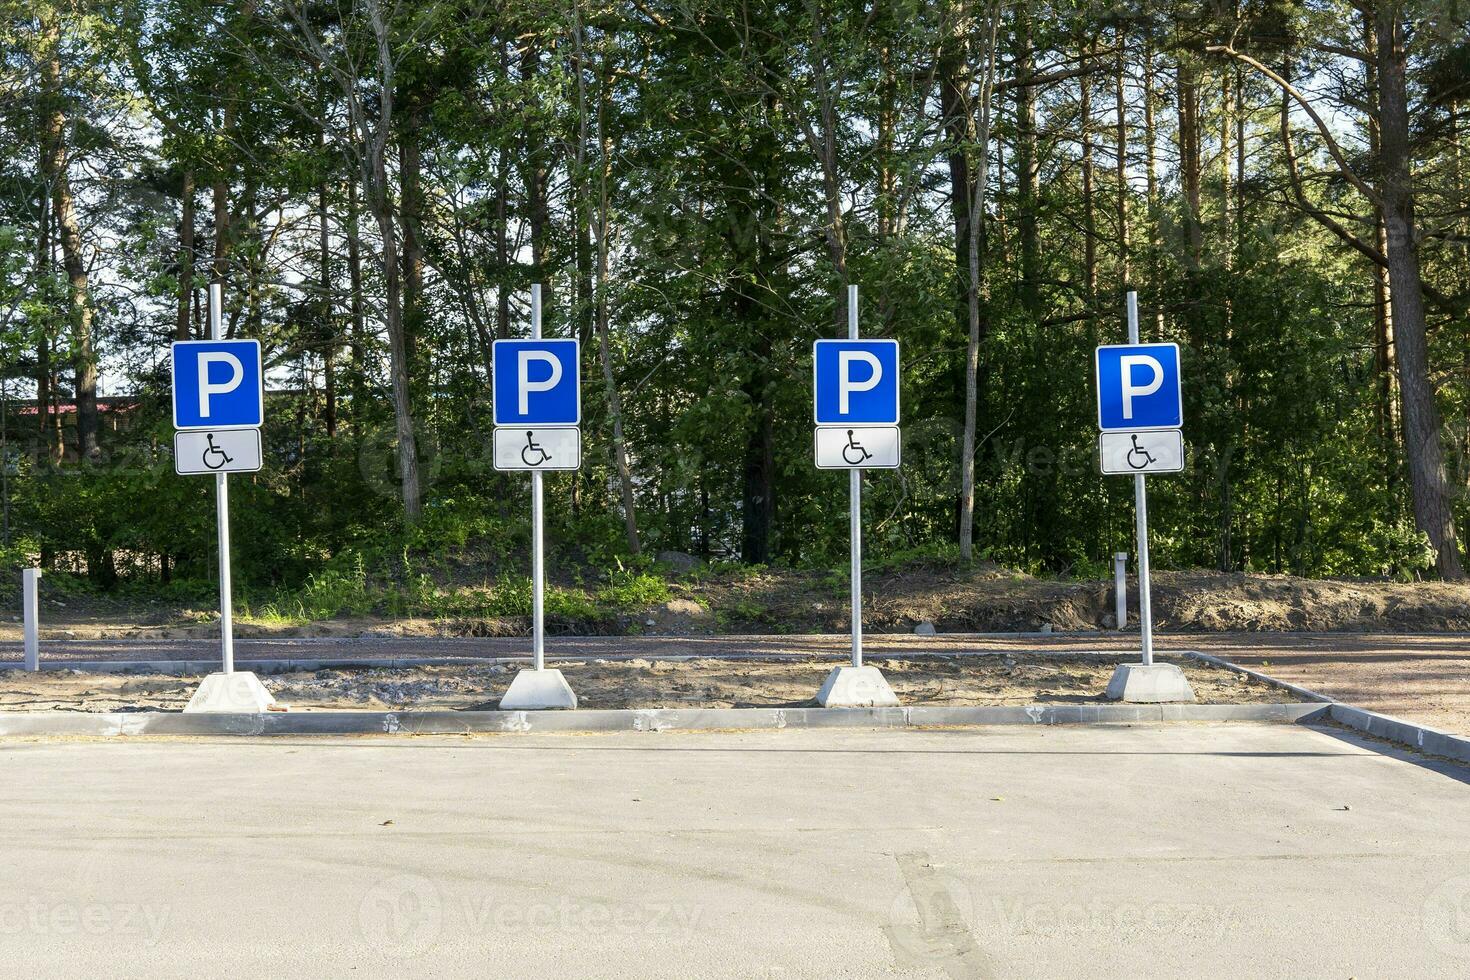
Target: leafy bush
(1407,551)
(632,590)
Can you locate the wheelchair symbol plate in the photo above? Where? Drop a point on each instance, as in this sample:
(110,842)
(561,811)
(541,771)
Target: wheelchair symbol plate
(532,448)
(1131,453)
(202,451)
(869,447)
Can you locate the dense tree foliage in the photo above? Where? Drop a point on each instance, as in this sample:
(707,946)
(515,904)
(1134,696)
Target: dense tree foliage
(696,182)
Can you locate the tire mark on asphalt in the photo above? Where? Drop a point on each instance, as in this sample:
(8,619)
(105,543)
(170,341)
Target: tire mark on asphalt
(942,938)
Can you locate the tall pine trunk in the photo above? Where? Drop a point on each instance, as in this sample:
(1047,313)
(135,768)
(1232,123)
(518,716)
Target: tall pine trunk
(186,256)
(54,164)
(1428,485)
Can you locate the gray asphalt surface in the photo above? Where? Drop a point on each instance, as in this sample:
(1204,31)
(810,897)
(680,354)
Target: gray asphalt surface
(1185,851)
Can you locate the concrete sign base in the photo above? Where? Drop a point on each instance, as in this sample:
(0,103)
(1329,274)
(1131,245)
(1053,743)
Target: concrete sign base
(856,687)
(1149,684)
(239,692)
(536,690)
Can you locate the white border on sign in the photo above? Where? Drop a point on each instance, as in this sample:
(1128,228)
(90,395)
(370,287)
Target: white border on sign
(898,385)
(174,392)
(1183,453)
(897,440)
(259,452)
(1097,385)
(535,469)
(494,359)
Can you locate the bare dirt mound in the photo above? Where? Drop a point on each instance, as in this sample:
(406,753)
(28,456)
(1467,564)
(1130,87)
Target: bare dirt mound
(1215,602)
(994,600)
(983,598)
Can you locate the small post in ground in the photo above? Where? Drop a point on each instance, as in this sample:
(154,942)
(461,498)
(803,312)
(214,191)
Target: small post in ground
(31,613)
(1120,589)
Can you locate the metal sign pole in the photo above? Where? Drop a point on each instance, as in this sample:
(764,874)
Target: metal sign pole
(222,511)
(538,577)
(1140,502)
(855,513)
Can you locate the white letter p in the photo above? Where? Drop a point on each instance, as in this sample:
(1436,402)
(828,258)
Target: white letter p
(237,374)
(1132,391)
(845,384)
(526,385)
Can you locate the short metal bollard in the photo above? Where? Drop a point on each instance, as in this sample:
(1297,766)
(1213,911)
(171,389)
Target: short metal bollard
(30,603)
(1120,589)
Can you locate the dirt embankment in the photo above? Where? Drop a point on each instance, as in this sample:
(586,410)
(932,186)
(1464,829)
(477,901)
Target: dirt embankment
(982,599)
(991,599)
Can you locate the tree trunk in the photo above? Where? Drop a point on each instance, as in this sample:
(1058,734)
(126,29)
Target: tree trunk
(977,320)
(1120,95)
(1027,171)
(1383,353)
(957,135)
(1189,160)
(1151,147)
(375,138)
(328,320)
(1429,490)
(355,310)
(822,141)
(535,180)
(502,256)
(502,245)
(758,501)
(408,464)
(220,190)
(614,400)
(887,118)
(599,298)
(44,415)
(55,165)
(1089,205)
(411,207)
(186,257)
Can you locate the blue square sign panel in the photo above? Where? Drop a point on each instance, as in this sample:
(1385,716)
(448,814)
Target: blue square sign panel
(855,381)
(218,384)
(537,382)
(1139,387)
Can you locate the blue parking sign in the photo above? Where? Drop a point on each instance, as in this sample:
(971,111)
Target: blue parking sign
(855,381)
(218,384)
(1139,387)
(537,382)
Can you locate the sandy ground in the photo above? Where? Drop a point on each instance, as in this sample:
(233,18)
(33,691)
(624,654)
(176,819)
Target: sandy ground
(1421,678)
(630,683)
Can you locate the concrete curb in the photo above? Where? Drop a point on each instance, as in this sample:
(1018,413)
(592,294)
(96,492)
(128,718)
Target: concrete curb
(1430,741)
(41,723)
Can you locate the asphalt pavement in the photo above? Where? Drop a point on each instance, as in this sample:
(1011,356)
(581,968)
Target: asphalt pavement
(1181,850)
